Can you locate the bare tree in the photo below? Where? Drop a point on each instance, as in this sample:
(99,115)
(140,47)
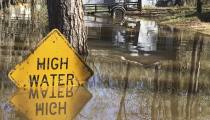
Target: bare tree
(68,17)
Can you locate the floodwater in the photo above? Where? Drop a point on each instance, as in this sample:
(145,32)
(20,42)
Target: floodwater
(142,71)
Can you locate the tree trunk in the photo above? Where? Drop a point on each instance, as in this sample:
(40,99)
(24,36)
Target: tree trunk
(178,2)
(199,6)
(140,5)
(68,17)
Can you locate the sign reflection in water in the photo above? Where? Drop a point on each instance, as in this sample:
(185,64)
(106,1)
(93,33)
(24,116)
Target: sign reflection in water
(51,103)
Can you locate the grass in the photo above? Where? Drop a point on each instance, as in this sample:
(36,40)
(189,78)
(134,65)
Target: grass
(187,18)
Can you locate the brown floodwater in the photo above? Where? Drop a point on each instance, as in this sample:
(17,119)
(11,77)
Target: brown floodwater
(142,71)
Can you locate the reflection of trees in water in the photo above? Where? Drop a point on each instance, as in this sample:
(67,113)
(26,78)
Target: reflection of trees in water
(175,76)
(17,39)
(122,102)
(195,64)
(6,90)
(18,36)
(189,107)
(163,90)
(186,63)
(111,72)
(178,107)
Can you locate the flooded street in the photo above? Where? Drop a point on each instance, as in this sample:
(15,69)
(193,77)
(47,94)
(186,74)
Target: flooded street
(142,71)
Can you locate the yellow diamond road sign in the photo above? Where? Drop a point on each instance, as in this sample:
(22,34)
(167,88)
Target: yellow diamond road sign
(53,63)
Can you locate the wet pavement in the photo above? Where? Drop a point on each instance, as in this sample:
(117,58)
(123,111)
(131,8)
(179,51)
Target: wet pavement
(142,71)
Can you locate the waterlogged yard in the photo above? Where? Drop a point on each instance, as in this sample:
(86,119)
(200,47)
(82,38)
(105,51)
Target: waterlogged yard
(141,71)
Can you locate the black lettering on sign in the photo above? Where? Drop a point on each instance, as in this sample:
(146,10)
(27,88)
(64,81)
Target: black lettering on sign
(52,63)
(53,105)
(48,61)
(39,108)
(44,80)
(60,92)
(70,78)
(60,79)
(46,108)
(44,92)
(52,95)
(61,108)
(51,80)
(40,64)
(50,108)
(34,80)
(33,94)
(64,62)
(69,92)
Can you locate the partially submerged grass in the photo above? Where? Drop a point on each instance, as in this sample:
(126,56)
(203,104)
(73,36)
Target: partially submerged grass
(187,18)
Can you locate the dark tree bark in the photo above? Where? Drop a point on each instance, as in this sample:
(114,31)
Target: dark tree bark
(178,2)
(13,2)
(4,4)
(68,17)
(140,5)
(199,6)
